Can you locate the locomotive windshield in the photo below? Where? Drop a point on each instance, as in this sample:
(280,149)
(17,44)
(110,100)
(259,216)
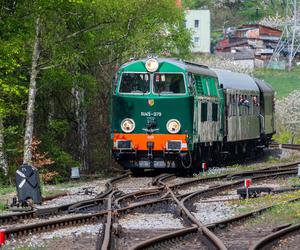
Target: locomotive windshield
(135,83)
(168,84)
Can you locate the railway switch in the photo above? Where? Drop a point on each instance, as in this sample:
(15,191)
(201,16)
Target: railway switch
(28,184)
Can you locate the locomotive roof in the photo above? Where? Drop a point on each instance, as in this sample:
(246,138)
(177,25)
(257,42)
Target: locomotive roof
(188,66)
(233,80)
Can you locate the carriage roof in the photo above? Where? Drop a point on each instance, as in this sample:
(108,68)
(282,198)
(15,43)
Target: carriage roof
(233,80)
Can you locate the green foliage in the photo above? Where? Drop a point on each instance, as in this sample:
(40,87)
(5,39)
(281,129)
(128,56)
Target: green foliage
(279,215)
(51,143)
(82,43)
(226,13)
(294,181)
(284,137)
(282,81)
(7,190)
(2,206)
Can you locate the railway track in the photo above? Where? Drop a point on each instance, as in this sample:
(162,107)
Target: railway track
(157,192)
(273,238)
(181,239)
(115,205)
(233,233)
(287,146)
(86,205)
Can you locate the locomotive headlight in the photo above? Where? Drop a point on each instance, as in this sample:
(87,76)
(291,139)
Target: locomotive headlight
(151,65)
(173,126)
(127,125)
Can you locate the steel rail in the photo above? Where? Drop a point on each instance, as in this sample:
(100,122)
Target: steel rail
(45,226)
(162,238)
(53,224)
(212,190)
(156,191)
(213,239)
(287,146)
(49,225)
(69,208)
(107,232)
(272,238)
(245,216)
(136,195)
(109,188)
(291,146)
(205,192)
(228,176)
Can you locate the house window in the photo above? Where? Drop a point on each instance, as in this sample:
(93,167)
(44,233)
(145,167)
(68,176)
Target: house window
(196,24)
(196,40)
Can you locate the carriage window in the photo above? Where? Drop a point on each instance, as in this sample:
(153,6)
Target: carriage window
(203,112)
(234,105)
(135,83)
(168,84)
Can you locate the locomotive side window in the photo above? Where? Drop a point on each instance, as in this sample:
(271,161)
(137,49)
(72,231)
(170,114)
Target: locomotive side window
(203,112)
(168,84)
(135,83)
(214,112)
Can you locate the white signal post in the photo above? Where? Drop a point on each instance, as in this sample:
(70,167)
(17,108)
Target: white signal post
(204,166)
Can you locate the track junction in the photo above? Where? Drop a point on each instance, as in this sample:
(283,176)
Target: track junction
(162,195)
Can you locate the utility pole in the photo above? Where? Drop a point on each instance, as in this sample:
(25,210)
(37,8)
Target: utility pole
(289,42)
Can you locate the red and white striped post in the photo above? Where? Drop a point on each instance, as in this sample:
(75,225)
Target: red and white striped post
(247,183)
(2,237)
(204,166)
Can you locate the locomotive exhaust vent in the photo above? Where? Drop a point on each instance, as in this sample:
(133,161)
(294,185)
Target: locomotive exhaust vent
(124,144)
(174,145)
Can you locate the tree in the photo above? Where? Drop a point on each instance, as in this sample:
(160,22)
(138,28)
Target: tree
(288,115)
(12,76)
(74,47)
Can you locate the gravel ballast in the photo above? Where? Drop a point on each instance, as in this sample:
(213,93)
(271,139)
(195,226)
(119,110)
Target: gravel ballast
(151,221)
(65,235)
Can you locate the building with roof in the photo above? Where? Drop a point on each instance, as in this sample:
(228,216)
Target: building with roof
(256,40)
(198,21)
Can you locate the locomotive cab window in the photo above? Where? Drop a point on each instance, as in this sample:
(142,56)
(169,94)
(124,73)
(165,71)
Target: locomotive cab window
(215,112)
(168,84)
(135,83)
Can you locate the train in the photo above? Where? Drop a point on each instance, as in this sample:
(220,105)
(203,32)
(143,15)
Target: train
(173,114)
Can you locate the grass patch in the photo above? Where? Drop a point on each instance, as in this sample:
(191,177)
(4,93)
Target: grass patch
(248,205)
(282,81)
(294,181)
(7,190)
(52,192)
(279,215)
(2,206)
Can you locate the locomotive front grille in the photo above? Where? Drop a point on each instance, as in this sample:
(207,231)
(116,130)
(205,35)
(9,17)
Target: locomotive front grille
(174,145)
(123,144)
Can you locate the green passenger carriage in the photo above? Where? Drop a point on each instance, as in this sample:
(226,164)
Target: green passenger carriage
(168,113)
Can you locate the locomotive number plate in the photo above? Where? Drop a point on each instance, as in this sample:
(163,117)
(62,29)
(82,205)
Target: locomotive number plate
(155,114)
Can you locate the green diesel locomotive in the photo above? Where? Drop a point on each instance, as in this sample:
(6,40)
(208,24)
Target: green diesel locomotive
(169,113)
